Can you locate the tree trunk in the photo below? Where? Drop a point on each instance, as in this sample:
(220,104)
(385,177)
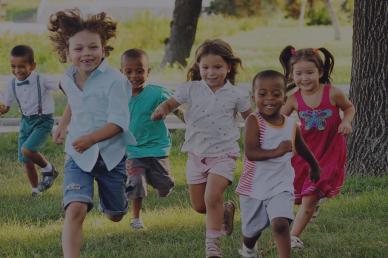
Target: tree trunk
(183,29)
(368,144)
(302,11)
(334,19)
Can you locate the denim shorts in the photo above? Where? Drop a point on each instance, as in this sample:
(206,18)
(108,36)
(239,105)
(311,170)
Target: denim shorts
(33,133)
(78,186)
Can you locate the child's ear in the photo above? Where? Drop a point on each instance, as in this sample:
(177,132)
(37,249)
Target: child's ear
(149,70)
(320,73)
(33,66)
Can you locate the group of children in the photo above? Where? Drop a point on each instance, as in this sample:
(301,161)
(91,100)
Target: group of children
(114,134)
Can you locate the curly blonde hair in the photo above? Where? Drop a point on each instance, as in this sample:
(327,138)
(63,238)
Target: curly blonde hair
(65,24)
(215,47)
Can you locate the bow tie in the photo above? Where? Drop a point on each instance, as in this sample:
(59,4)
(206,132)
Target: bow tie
(25,82)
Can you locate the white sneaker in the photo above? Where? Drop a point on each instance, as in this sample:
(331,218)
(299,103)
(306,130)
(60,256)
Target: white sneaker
(296,242)
(212,248)
(136,223)
(246,252)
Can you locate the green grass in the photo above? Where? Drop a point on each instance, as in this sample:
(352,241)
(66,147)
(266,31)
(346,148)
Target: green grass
(351,225)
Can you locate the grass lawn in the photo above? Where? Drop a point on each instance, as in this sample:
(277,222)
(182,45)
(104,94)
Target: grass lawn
(352,225)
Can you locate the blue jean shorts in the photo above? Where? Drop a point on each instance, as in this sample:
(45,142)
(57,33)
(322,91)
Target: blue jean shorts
(78,186)
(33,133)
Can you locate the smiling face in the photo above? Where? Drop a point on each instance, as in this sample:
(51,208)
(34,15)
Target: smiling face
(137,71)
(269,97)
(213,70)
(21,67)
(306,76)
(85,51)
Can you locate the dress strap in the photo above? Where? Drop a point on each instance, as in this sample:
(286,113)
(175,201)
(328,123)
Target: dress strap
(326,95)
(299,100)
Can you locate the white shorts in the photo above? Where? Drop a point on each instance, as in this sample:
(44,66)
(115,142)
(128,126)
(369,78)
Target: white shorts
(257,214)
(198,168)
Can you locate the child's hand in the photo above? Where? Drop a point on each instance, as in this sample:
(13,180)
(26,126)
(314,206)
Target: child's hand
(284,147)
(3,109)
(83,143)
(158,114)
(315,174)
(59,135)
(345,128)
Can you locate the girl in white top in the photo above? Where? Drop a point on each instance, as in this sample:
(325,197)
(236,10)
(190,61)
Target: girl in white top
(266,185)
(211,134)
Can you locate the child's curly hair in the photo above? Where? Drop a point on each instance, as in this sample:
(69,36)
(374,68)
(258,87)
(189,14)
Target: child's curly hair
(215,47)
(65,24)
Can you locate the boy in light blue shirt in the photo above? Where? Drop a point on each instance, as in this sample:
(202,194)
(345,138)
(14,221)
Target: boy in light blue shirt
(147,160)
(99,119)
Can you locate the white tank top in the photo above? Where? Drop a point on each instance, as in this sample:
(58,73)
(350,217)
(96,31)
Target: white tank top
(267,178)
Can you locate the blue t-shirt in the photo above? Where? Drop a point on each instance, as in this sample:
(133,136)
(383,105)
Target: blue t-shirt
(152,137)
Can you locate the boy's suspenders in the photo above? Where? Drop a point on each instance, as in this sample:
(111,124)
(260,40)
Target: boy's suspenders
(39,95)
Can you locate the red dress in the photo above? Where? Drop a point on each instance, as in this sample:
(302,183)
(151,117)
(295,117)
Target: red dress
(319,128)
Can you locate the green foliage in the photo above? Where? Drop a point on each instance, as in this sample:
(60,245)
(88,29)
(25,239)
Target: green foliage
(318,16)
(234,8)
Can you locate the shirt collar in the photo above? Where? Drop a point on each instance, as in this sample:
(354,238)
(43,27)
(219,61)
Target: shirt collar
(31,78)
(100,69)
(226,86)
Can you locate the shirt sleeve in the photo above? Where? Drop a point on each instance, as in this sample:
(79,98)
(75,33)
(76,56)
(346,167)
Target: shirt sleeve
(118,112)
(50,83)
(182,93)
(8,97)
(165,94)
(243,103)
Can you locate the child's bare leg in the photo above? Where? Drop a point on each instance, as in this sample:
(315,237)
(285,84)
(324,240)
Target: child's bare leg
(36,157)
(32,174)
(72,229)
(214,200)
(281,231)
(136,207)
(304,214)
(197,197)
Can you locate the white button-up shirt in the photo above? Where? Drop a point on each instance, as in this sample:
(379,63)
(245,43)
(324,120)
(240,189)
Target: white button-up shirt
(28,94)
(211,118)
(103,99)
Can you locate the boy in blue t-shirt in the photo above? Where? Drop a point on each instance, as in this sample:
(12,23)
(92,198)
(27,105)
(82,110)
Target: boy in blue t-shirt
(148,160)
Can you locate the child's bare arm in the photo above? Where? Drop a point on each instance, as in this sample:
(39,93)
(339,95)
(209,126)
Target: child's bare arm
(252,148)
(340,100)
(108,131)
(245,114)
(289,106)
(180,114)
(164,109)
(305,153)
(60,132)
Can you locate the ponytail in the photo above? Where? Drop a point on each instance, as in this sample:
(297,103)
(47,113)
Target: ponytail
(328,65)
(285,57)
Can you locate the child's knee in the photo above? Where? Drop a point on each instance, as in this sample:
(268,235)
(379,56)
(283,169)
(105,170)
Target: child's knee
(280,226)
(26,152)
(199,207)
(76,211)
(213,200)
(115,218)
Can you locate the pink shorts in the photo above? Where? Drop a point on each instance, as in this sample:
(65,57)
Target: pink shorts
(198,168)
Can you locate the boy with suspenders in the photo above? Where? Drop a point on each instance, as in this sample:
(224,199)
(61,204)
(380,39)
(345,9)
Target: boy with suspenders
(36,104)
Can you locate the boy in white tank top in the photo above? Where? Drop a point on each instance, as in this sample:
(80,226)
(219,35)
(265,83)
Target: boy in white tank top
(266,186)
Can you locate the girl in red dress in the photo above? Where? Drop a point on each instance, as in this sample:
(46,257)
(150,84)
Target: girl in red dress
(317,103)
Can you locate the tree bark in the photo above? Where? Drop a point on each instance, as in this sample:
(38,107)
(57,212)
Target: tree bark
(302,11)
(183,29)
(334,19)
(368,144)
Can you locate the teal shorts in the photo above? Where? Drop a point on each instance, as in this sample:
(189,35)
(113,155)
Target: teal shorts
(33,133)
